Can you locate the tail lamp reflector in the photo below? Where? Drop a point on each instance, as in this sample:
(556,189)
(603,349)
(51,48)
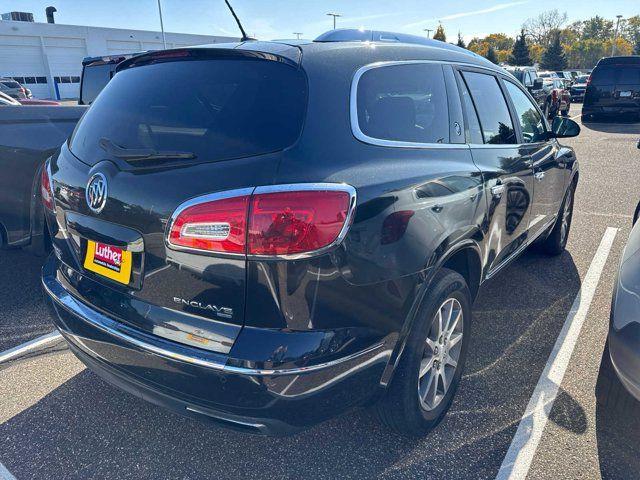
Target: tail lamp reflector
(46,191)
(273,223)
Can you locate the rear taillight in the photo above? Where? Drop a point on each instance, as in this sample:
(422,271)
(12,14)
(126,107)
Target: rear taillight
(46,192)
(218,225)
(270,221)
(589,80)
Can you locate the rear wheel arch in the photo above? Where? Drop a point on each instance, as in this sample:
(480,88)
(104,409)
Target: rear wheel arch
(467,262)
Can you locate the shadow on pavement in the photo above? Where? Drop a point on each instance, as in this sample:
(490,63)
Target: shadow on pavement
(619,124)
(23,315)
(617,426)
(85,428)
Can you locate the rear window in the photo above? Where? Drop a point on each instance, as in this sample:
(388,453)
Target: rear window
(404,103)
(215,109)
(11,84)
(603,76)
(628,76)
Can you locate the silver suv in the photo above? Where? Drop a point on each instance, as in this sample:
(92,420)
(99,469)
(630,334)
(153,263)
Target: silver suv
(10,87)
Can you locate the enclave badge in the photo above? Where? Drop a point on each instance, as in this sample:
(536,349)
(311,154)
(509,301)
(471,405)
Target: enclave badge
(96,192)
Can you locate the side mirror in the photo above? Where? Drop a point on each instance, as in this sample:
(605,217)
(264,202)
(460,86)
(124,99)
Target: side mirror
(563,127)
(537,83)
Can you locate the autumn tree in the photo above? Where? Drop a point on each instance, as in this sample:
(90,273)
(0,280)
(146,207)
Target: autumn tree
(597,28)
(520,51)
(491,55)
(439,35)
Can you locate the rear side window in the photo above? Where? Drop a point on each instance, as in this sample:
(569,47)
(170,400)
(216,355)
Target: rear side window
(493,113)
(210,109)
(94,79)
(403,103)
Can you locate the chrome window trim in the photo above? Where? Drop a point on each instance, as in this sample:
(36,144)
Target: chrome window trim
(290,187)
(353,105)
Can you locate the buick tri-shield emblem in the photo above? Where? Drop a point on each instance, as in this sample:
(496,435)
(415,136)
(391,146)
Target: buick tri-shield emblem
(96,193)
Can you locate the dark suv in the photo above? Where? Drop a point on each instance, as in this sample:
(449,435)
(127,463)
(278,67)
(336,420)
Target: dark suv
(613,88)
(302,230)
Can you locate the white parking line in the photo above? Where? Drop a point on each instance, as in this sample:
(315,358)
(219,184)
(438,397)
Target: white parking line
(31,345)
(5,474)
(523,447)
(576,116)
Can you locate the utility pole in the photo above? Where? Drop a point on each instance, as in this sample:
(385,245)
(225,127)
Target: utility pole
(615,36)
(428,30)
(334,15)
(164,40)
(297,34)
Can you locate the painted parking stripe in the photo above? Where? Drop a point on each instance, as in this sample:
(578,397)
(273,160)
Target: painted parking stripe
(523,447)
(29,346)
(5,474)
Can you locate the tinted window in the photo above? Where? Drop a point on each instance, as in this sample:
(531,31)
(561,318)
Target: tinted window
(473,124)
(530,120)
(492,109)
(228,108)
(11,84)
(406,103)
(94,79)
(603,76)
(628,76)
(582,79)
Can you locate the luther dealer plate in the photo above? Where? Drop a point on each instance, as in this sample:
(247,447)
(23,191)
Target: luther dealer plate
(108,261)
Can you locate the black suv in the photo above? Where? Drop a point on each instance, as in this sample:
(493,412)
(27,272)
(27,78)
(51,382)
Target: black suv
(302,230)
(613,88)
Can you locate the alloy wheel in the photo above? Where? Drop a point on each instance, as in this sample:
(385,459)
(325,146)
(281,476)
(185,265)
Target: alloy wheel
(441,354)
(566,218)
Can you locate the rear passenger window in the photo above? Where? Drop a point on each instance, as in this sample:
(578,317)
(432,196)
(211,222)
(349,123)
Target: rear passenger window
(404,103)
(475,134)
(495,121)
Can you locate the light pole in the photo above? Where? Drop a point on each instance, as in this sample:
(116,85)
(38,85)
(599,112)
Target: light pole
(615,36)
(334,15)
(164,40)
(297,34)
(428,30)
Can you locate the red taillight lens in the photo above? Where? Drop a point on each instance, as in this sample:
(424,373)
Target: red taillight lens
(284,223)
(217,226)
(46,191)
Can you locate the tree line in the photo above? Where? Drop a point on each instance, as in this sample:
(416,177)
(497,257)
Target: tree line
(548,40)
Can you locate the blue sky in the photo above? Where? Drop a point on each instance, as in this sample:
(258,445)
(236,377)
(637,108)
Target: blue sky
(269,19)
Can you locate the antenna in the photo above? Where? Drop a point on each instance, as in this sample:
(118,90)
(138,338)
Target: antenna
(244,34)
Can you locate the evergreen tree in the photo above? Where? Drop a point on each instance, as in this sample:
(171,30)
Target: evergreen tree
(636,49)
(520,52)
(553,57)
(461,43)
(439,35)
(491,55)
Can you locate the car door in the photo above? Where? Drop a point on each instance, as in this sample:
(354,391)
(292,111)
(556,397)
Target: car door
(544,157)
(506,169)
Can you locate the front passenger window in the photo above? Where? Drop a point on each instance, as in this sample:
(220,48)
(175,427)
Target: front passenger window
(530,119)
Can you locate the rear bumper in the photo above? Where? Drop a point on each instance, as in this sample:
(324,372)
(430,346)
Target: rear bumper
(209,385)
(611,110)
(624,348)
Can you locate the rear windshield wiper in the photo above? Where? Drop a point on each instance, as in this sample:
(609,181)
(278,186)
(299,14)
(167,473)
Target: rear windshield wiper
(141,154)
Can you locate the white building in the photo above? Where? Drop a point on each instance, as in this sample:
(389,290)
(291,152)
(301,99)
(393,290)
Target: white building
(47,57)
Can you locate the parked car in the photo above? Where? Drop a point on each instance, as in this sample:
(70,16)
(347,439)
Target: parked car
(613,88)
(548,75)
(10,87)
(621,365)
(29,135)
(559,98)
(528,76)
(578,88)
(6,100)
(213,256)
(96,73)
(38,101)
(567,77)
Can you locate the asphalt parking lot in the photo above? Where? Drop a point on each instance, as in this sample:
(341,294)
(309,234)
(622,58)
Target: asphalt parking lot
(58,420)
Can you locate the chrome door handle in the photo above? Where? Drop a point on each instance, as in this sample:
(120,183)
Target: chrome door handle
(497,190)
(538,175)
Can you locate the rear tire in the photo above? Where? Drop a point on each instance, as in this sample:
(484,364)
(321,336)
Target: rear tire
(556,242)
(426,378)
